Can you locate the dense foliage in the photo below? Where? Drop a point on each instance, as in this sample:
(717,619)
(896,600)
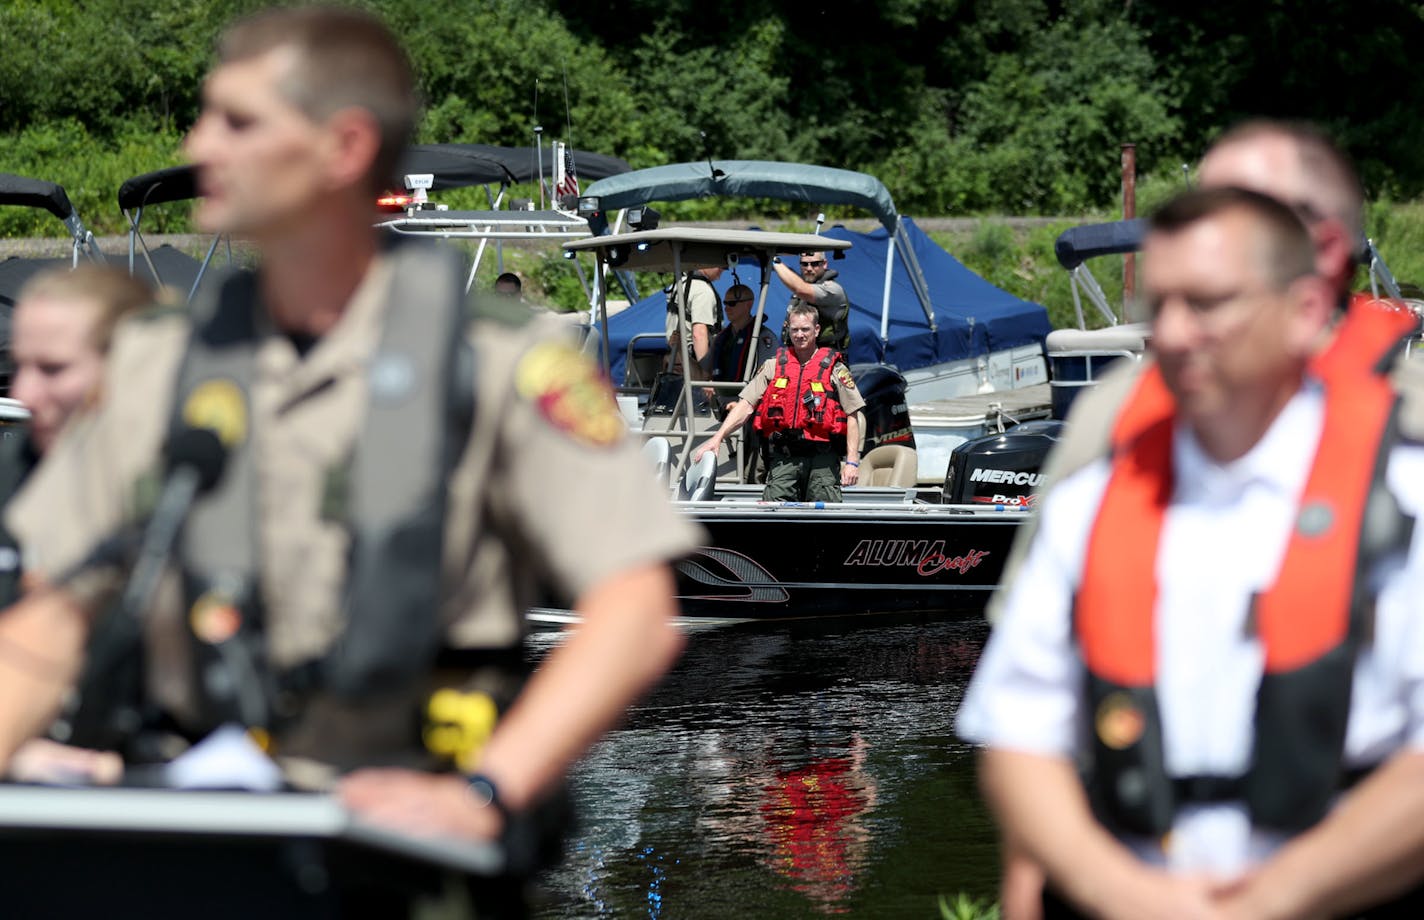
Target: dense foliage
(960,106)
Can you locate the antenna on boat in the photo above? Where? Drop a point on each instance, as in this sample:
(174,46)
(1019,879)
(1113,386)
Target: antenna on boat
(568,111)
(539,150)
(707,152)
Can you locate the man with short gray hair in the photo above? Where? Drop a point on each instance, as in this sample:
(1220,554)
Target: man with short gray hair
(816,285)
(1242,744)
(398,488)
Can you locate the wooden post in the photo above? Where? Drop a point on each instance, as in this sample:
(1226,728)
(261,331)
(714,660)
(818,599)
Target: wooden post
(1129,211)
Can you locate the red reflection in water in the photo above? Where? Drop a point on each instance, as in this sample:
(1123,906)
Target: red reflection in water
(812,817)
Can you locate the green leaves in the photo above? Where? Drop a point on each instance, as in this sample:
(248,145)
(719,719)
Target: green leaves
(959,106)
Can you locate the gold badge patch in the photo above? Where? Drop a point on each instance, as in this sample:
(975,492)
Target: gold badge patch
(218,405)
(844,378)
(214,619)
(570,393)
(457,725)
(1119,722)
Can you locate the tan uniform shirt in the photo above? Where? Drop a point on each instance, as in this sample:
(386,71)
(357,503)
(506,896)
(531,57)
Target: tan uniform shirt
(847,393)
(549,491)
(702,297)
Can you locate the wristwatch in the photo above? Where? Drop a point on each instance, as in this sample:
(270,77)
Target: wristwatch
(485,793)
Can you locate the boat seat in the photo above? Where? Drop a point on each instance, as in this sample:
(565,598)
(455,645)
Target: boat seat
(1078,357)
(659,454)
(890,465)
(1126,337)
(700,479)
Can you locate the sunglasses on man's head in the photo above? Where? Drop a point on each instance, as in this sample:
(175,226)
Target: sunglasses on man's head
(812,264)
(732,302)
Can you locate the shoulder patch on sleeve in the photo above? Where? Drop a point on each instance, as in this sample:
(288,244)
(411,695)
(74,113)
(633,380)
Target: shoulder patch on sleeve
(570,393)
(844,376)
(505,311)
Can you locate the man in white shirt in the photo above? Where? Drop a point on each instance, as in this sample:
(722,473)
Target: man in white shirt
(1151,676)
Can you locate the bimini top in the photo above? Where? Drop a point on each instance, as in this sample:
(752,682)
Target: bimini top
(461,165)
(819,185)
(1076,245)
(176,183)
(35,193)
(971,316)
(453,166)
(686,248)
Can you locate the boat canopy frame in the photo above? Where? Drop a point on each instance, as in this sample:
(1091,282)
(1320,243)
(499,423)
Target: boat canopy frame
(681,249)
(452,166)
(24,192)
(795,182)
(163,186)
(1076,245)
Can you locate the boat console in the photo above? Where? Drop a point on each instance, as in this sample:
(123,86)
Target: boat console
(72,852)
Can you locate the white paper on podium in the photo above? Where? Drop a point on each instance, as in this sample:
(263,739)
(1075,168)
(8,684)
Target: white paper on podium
(226,759)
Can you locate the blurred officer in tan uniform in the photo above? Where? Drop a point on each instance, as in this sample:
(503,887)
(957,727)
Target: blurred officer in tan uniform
(304,115)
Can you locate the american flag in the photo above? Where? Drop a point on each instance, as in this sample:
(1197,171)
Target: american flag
(565,179)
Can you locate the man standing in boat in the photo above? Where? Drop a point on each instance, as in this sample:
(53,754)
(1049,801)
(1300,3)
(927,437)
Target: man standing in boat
(732,349)
(1249,740)
(396,485)
(693,298)
(733,354)
(805,401)
(816,285)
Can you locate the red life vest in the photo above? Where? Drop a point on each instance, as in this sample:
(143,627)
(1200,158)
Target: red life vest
(1309,622)
(802,397)
(1372,326)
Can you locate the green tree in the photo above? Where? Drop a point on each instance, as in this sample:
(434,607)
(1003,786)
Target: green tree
(1041,133)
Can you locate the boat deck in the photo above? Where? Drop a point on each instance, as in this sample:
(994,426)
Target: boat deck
(942,425)
(1022,404)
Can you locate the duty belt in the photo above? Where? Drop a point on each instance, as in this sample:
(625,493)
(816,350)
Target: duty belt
(1209,790)
(792,444)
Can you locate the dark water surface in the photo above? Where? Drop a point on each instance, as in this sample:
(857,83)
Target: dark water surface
(786,771)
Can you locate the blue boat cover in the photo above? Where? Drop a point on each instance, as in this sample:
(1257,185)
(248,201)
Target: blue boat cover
(1076,245)
(973,316)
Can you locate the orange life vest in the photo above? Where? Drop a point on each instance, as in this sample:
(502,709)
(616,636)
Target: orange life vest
(802,397)
(1309,622)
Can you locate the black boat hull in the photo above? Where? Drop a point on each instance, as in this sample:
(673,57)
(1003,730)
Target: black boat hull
(774,563)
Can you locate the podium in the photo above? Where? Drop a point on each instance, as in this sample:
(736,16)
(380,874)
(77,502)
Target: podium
(154,853)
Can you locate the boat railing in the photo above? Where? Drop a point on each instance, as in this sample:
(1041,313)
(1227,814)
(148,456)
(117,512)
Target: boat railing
(633,366)
(852,495)
(719,506)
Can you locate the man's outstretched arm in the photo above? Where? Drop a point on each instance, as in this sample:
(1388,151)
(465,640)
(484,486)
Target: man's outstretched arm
(624,643)
(42,640)
(741,411)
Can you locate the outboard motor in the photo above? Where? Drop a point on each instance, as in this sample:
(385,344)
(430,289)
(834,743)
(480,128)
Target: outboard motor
(887,412)
(1001,469)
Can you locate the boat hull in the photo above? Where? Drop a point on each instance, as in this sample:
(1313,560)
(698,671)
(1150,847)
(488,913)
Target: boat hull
(776,562)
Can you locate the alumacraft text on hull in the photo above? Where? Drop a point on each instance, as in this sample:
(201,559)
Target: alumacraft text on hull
(885,549)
